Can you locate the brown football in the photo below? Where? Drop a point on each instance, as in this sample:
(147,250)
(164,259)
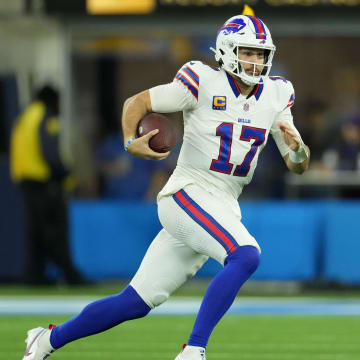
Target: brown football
(165,139)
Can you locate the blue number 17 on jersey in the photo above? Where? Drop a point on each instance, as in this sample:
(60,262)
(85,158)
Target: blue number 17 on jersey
(222,163)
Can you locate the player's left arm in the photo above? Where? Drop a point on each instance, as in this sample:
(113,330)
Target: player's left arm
(298,158)
(288,139)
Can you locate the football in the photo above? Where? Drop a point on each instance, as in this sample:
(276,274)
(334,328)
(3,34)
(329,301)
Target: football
(165,139)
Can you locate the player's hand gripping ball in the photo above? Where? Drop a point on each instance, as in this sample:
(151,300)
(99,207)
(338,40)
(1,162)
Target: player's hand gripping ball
(165,139)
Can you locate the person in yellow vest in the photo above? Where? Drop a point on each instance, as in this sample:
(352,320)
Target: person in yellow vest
(37,167)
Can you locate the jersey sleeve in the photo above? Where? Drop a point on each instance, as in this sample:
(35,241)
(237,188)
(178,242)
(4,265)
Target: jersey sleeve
(284,93)
(189,78)
(286,101)
(181,94)
(289,96)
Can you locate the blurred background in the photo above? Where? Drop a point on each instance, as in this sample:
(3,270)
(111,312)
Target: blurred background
(77,210)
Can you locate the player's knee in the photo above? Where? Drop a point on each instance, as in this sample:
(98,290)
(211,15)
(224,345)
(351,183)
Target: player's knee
(245,257)
(154,294)
(155,299)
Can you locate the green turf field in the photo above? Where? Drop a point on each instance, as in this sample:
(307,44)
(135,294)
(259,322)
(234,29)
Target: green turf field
(236,337)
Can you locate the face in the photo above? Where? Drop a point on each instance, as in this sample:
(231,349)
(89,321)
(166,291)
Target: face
(252,55)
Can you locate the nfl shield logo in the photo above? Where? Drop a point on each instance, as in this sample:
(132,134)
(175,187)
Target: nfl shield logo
(246,107)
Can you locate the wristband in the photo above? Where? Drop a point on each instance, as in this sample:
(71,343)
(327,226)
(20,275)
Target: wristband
(298,156)
(128,143)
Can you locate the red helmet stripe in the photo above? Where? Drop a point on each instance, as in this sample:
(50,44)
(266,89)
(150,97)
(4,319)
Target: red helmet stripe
(259,27)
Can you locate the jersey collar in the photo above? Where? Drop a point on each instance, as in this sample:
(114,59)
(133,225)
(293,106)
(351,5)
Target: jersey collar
(256,91)
(234,86)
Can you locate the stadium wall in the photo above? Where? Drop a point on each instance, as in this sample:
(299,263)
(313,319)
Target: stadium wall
(303,241)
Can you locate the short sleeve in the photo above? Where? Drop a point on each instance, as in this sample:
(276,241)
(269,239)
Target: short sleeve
(171,97)
(284,116)
(188,76)
(285,93)
(181,94)
(291,98)
(286,99)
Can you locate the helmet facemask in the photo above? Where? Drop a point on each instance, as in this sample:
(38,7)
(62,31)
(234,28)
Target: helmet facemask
(254,77)
(232,38)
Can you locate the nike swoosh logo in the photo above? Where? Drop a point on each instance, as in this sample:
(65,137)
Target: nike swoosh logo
(27,351)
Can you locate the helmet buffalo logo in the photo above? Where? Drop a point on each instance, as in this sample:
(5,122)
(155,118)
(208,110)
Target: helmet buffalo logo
(233,27)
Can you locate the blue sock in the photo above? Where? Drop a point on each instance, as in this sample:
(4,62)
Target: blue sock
(221,293)
(99,316)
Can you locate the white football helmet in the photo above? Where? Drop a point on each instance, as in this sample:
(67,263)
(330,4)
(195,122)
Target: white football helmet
(238,32)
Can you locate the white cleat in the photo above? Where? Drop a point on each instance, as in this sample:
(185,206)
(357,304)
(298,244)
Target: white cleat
(38,344)
(191,353)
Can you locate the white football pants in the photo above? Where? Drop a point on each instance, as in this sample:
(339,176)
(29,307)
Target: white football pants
(197,225)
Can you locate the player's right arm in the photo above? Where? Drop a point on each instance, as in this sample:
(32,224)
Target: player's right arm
(178,95)
(135,108)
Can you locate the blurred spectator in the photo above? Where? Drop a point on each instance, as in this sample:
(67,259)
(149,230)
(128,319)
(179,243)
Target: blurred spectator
(343,152)
(127,177)
(348,146)
(316,130)
(37,167)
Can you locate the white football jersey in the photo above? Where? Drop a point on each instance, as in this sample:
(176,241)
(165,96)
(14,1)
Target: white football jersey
(224,131)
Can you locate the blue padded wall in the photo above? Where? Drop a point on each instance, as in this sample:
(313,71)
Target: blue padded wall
(289,234)
(342,249)
(300,240)
(109,239)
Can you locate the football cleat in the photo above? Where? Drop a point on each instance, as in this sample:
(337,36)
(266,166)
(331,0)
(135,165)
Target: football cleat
(38,344)
(191,353)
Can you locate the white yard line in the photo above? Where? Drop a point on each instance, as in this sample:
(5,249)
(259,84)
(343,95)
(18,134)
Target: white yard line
(187,306)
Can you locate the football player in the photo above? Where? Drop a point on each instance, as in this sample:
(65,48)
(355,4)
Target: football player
(229,112)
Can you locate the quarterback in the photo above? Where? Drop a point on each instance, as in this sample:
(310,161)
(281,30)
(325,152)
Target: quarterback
(229,112)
